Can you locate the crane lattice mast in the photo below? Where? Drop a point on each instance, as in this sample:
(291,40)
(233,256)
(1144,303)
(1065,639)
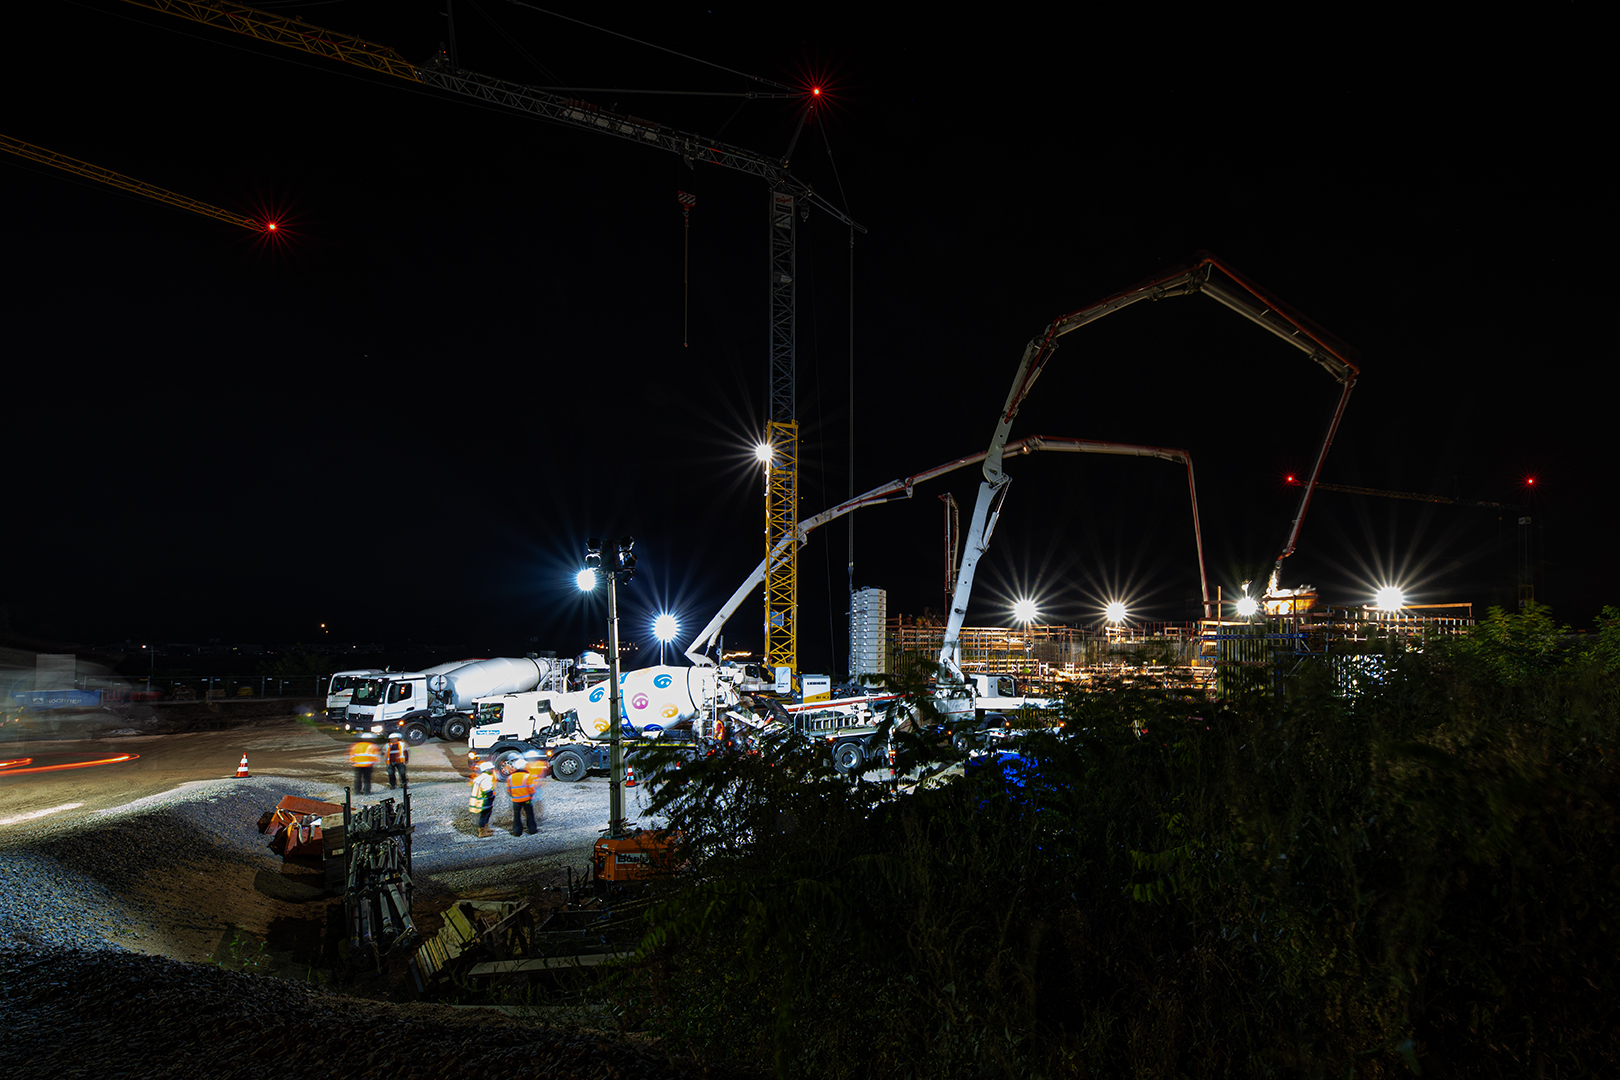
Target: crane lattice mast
(788,196)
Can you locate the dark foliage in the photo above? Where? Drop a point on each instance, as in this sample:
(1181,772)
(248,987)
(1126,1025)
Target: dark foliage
(1419,880)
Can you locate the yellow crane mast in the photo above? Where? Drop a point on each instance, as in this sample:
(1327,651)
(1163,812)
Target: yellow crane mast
(790,200)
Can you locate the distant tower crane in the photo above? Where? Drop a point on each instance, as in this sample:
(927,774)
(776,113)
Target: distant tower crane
(1527,577)
(789,198)
(124,183)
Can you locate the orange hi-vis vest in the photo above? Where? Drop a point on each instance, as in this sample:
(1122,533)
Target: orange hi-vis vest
(483,792)
(520,785)
(398,752)
(364,755)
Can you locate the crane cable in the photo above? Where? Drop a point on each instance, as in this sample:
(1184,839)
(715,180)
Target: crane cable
(650,45)
(687,201)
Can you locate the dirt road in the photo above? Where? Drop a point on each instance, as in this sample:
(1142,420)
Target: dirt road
(163,852)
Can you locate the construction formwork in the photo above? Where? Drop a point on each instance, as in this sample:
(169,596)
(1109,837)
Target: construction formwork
(1052,654)
(1349,643)
(1224,655)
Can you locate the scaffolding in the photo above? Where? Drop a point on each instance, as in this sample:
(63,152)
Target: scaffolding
(1221,655)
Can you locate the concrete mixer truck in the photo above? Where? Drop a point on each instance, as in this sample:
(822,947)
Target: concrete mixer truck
(421,704)
(572,729)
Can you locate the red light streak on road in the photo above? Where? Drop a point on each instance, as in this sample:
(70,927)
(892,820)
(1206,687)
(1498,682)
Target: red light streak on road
(15,761)
(70,764)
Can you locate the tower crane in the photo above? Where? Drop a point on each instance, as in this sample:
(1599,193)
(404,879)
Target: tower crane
(788,198)
(125,183)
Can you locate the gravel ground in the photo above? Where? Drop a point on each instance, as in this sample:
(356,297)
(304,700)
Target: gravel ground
(99,918)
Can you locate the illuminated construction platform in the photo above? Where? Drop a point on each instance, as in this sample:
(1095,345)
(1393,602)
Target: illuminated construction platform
(1209,654)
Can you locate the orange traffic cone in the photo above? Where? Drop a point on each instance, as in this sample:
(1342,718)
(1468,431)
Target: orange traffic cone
(629,776)
(241,770)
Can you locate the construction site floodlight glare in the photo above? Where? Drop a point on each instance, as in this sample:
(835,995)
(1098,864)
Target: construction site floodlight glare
(665,627)
(1389,598)
(762,453)
(1115,612)
(1247,606)
(585,579)
(1024,611)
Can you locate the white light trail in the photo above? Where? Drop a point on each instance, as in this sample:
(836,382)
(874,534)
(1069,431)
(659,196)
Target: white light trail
(31,815)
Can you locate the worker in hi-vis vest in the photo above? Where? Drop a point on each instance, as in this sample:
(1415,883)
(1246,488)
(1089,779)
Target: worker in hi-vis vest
(482,799)
(364,756)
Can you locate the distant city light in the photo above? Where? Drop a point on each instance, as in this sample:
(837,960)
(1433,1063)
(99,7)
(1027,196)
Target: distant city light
(1115,612)
(585,579)
(1024,611)
(1247,606)
(1389,598)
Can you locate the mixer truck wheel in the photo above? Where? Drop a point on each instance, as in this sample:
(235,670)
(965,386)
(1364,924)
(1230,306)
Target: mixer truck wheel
(455,728)
(567,766)
(847,758)
(416,733)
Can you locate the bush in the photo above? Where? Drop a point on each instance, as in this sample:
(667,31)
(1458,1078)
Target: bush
(1422,878)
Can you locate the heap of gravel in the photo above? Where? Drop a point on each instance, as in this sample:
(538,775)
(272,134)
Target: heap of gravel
(76,1003)
(85,882)
(107,1014)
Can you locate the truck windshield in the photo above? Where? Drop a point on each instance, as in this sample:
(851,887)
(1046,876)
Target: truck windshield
(368,692)
(489,712)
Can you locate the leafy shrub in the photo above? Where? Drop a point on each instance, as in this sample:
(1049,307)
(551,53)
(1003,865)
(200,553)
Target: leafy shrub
(1423,877)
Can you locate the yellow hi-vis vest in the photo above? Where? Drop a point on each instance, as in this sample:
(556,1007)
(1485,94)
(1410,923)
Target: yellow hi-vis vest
(483,792)
(398,753)
(364,755)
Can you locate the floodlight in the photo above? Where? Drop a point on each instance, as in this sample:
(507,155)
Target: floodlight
(585,579)
(1247,606)
(665,628)
(627,558)
(1115,612)
(1389,598)
(1024,611)
(762,453)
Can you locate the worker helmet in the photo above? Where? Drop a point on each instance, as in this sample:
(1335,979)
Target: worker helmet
(486,767)
(368,737)
(396,735)
(532,755)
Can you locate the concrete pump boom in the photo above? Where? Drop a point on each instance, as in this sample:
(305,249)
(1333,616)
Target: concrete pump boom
(901,489)
(1206,275)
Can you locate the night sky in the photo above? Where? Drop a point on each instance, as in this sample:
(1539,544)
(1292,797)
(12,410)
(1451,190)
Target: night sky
(464,354)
